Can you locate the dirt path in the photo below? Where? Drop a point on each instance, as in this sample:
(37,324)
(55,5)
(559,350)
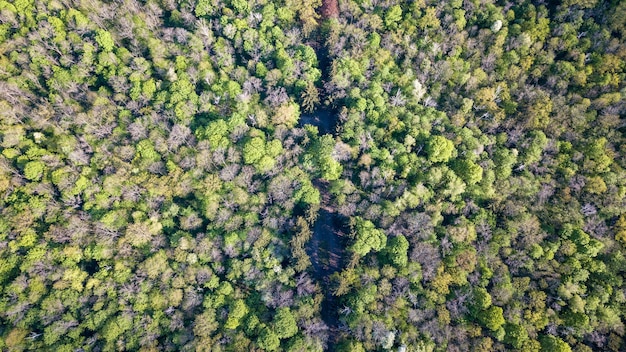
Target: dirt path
(327,253)
(324,119)
(326,247)
(326,250)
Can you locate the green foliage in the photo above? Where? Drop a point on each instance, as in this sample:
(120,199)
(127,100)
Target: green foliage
(393,16)
(492,318)
(308,193)
(538,142)
(620,229)
(104,40)
(331,169)
(322,154)
(261,154)
(34,170)
(397,251)
(284,324)
(203,8)
(237,310)
(240,6)
(439,149)
(504,160)
(553,344)
(481,299)
(268,340)
(516,335)
(159,192)
(367,237)
(469,171)
(216,133)
(310,97)
(254,150)
(351,346)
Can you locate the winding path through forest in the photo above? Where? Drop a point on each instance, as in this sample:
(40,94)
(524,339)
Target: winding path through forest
(326,247)
(323,118)
(326,250)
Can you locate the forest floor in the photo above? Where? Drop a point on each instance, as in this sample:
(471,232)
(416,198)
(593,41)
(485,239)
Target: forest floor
(323,118)
(326,250)
(327,245)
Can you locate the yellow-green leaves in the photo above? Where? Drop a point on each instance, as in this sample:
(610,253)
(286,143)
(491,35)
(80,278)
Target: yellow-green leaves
(439,149)
(104,40)
(368,237)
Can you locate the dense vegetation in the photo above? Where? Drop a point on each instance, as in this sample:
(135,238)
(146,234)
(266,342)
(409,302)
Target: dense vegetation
(158,191)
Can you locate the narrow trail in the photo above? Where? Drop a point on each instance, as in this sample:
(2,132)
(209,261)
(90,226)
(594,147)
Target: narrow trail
(326,247)
(326,250)
(324,119)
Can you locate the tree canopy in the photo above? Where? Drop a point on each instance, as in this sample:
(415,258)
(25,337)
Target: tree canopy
(285,175)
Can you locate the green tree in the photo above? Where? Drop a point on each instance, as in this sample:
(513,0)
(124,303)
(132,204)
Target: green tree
(286,114)
(254,150)
(203,8)
(321,157)
(368,237)
(310,97)
(620,229)
(516,335)
(482,299)
(397,251)
(492,318)
(34,170)
(439,149)
(268,340)
(330,168)
(238,309)
(350,346)
(538,142)
(104,40)
(468,170)
(393,16)
(216,133)
(285,324)
(551,343)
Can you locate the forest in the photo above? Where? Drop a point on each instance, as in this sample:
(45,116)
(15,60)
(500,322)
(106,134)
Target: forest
(313,175)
